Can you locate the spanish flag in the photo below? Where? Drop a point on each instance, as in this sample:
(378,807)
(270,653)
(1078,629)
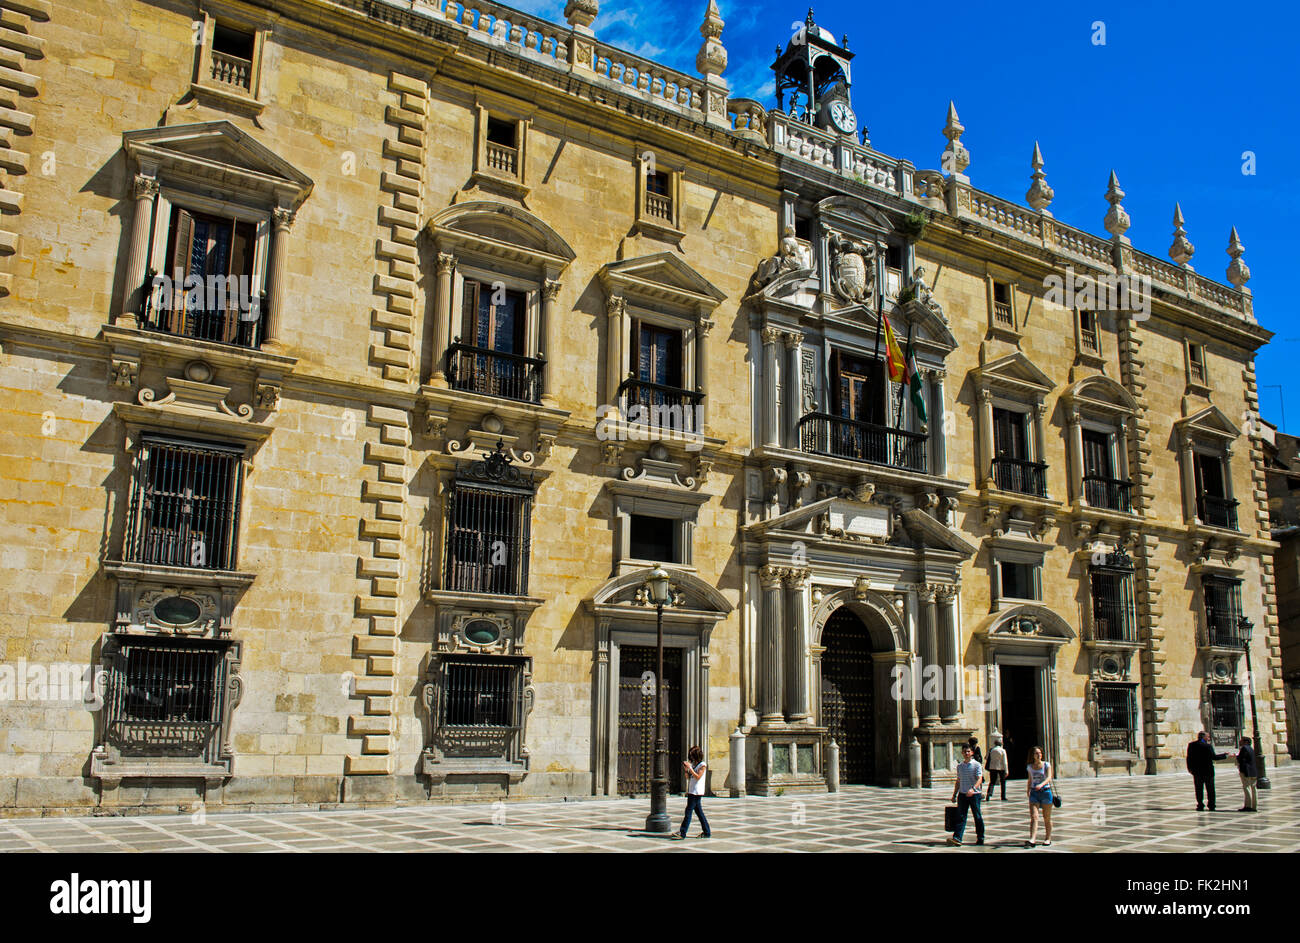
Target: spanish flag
(893,354)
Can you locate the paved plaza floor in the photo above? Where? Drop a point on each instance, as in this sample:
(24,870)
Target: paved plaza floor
(1123,813)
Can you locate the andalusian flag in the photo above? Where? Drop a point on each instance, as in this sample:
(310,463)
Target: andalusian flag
(893,355)
(914,383)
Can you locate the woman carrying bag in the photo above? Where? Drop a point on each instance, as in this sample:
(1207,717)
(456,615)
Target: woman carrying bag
(1038,788)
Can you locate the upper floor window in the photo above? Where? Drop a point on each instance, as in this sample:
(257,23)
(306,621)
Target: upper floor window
(658,198)
(654,538)
(1011,391)
(654,393)
(1114,616)
(488,527)
(503,145)
(1003,312)
(488,356)
(1196,373)
(1214,506)
(184,507)
(1103,487)
(1019,580)
(501,151)
(209,290)
(1013,468)
(1089,333)
(228,64)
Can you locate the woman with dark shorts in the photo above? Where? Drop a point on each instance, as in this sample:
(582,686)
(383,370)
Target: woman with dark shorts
(1039,790)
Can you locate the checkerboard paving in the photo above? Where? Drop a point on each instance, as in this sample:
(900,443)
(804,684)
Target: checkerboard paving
(1115,813)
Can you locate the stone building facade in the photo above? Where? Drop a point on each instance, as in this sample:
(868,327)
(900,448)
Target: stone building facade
(363,355)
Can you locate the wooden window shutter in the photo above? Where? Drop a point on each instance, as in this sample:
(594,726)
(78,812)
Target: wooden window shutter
(469,306)
(182,242)
(837,402)
(634,357)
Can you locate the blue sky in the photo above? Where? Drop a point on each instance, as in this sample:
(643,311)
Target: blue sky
(1171,101)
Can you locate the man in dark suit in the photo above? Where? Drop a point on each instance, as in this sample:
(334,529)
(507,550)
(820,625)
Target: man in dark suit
(1246,767)
(1200,763)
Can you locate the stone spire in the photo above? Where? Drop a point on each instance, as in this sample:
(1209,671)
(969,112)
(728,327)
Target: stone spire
(580,14)
(1040,194)
(1238,273)
(711,60)
(1182,250)
(956,158)
(1117,221)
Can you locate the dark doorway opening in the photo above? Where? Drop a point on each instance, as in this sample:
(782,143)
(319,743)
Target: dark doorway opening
(636,719)
(1021,730)
(848,696)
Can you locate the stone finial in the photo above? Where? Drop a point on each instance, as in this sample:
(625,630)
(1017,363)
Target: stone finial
(1040,194)
(711,60)
(1238,273)
(1182,250)
(1117,221)
(580,14)
(956,158)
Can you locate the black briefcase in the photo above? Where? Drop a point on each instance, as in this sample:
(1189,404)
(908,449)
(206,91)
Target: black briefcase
(950,818)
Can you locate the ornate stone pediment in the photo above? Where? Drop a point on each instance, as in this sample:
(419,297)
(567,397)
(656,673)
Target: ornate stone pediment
(1033,624)
(626,596)
(1210,422)
(662,277)
(193,404)
(1100,394)
(502,232)
(217,154)
(1015,373)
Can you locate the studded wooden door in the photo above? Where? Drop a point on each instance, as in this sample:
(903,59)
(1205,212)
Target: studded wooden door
(848,702)
(636,719)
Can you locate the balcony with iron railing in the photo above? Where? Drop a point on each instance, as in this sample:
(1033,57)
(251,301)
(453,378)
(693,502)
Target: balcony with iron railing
(495,373)
(835,436)
(219,319)
(1113,620)
(1215,511)
(666,408)
(1223,627)
(231,70)
(1020,476)
(1109,494)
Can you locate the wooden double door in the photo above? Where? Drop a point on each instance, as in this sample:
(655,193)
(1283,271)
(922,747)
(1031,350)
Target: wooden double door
(848,696)
(636,719)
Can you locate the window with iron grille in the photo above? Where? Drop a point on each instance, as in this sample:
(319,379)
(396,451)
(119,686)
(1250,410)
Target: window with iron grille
(1114,616)
(489,515)
(166,697)
(481,707)
(1117,717)
(1223,611)
(185,504)
(1227,714)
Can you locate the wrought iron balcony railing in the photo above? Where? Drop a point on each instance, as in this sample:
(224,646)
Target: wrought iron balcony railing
(221,323)
(1222,628)
(494,373)
(1111,494)
(661,407)
(824,434)
(1216,512)
(1020,476)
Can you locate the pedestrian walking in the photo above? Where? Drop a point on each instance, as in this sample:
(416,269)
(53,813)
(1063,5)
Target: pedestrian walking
(1200,763)
(695,768)
(997,767)
(975,748)
(1039,790)
(967,794)
(1248,771)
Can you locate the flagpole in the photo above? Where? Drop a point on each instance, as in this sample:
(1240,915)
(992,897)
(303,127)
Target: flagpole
(898,417)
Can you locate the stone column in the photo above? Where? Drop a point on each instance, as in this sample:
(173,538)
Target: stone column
(938,434)
(796,631)
(281,220)
(949,656)
(144,190)
(771,403)
(1189,478)
(929,656)
(548,333)
(446,268)
(771,657)
(1075,422)
(985,472)
(702,327)
(615,350)
(793,387)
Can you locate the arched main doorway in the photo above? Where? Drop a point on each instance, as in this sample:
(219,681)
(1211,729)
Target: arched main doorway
(848,701)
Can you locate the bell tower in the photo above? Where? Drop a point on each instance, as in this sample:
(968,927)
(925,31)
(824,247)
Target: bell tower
(814,72)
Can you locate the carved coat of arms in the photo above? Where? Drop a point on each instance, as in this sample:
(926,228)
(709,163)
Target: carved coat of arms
(853,270)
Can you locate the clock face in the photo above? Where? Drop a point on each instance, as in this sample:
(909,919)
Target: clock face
(843,118)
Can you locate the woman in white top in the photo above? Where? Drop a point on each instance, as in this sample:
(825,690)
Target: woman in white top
(695,769)
(1038,787)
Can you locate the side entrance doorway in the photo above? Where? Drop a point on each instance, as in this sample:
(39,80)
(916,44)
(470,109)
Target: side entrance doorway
(636,719)
(1022,727)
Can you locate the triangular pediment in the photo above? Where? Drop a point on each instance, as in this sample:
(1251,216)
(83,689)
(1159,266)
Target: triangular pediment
(934,534)
(1015,373)
(661,277)
(1210,421)
(836,516)
(219,154)
(501,231)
